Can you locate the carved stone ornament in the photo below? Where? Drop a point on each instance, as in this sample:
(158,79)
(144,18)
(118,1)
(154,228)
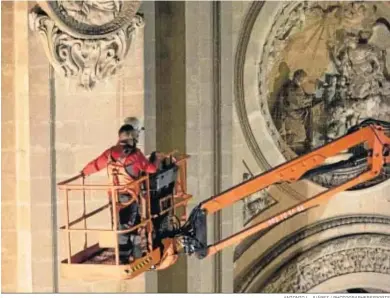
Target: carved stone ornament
(257,203)
(324,67)
(85,59)
(246,280)
(92,18)
(352,254)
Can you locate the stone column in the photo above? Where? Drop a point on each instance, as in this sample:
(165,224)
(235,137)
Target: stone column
(199,128)
(209,66)
(171,106)
(148,10)
(229,215)
(42,165)
(9,202)
(189,84)
(23,149)
(27,166)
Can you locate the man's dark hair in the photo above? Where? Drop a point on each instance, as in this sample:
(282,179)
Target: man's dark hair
(127,128)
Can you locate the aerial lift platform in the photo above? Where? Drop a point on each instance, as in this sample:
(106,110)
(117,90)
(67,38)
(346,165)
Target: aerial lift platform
(163,198)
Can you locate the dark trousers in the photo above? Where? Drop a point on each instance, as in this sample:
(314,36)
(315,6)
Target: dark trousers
(128,218)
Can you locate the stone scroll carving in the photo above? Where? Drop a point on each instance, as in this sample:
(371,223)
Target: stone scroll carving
(90,59)
(359,253)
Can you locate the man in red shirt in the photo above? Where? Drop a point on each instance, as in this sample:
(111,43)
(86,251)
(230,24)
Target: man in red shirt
(125,163)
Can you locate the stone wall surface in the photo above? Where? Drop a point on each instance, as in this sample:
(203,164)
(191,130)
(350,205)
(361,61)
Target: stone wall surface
(8,166)
(201,76)
(51,127)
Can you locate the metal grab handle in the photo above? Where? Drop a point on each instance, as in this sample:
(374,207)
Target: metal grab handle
(134,198)
(70,180)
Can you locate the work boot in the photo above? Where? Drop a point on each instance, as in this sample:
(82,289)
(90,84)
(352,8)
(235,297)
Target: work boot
(124,261)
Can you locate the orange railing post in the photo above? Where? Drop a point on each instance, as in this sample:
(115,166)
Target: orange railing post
(115,219)
(149,228)
(69,252)
(84,216)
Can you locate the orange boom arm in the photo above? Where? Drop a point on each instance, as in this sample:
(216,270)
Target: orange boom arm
(375,142)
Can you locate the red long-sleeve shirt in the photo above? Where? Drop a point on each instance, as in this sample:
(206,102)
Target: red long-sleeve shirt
(136,159)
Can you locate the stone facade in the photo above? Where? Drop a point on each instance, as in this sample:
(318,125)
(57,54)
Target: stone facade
(9,203)
(73,113)
(204,77)
(51,128)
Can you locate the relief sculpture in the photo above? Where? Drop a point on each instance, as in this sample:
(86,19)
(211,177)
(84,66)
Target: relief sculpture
(329,260)
(363,88)
(96,12)
(88,60)
(324,68)
(296,104)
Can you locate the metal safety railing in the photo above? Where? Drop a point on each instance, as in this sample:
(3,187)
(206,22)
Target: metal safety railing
(138,189)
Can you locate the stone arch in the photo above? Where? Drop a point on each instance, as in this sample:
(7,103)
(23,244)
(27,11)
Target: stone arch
(285,251)
(372,282)
(361,253)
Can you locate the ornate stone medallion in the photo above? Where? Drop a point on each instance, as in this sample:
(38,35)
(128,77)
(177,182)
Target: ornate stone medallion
(90,19)
(88,40)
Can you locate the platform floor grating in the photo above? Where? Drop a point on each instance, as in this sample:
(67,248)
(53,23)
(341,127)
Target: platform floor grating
(105,256)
